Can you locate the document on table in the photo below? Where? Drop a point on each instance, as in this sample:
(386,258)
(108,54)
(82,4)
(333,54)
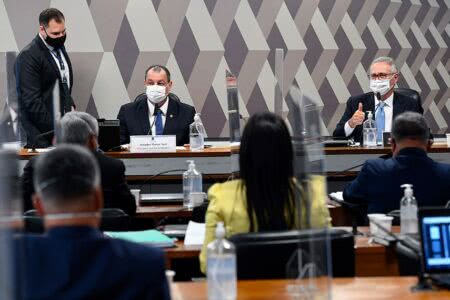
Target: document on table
(337,196)
(195,234)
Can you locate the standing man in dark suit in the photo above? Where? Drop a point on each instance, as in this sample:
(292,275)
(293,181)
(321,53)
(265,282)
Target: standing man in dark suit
(156,112)
(378,182)
(82,129)
(74,260)
(38,67)
(382,101)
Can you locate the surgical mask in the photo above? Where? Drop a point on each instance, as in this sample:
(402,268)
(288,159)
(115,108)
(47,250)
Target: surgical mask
(156,93)
(55,42)
(380,86)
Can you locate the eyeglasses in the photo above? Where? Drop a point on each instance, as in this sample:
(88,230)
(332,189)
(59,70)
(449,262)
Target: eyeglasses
(381,76)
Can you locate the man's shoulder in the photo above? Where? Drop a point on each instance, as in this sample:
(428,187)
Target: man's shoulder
(183,106)
(31,49)
(135,103)
(361,97)
(379,165)
(105,160)
(138,252)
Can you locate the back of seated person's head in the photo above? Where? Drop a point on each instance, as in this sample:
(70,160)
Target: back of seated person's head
(410,130)
(67,181)
(79,128)
(266,169)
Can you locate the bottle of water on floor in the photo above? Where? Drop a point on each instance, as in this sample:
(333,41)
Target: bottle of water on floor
(221,267)
(408,211)
(196,134)
(369,131)
(192,183)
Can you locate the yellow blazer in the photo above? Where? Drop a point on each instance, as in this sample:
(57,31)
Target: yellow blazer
(228,205)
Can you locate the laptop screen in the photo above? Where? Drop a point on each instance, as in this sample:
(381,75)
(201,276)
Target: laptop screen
(435,231)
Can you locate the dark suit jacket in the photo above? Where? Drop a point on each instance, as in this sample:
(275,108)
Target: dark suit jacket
(378,182)
(134,119)
(401,104)
(116,193)
(36,73)
(81,263)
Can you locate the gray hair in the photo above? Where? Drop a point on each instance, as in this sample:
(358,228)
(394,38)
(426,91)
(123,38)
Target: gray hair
(65,174)
(410,125)
(78,127)
(385,59)
(90,120)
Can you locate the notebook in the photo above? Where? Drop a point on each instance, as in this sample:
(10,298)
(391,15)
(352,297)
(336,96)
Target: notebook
(434,230)
(151,237)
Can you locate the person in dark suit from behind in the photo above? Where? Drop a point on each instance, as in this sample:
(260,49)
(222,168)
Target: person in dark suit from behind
(383,102)
(378,182)
(156,112)
(82,129)
(74,260)
(38,66)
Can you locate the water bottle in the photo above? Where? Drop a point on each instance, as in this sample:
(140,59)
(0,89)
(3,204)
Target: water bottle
(221,267)
(192,182)
(196,134)
(369,131)
(408,211)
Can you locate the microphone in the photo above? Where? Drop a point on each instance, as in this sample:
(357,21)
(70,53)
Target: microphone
(378,95)
(44,134)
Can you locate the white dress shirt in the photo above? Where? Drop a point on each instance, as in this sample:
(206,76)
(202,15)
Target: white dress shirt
(388,112)
(64,73)
(151,110)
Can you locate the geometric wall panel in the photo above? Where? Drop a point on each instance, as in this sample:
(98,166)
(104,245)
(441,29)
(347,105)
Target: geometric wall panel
(328,46)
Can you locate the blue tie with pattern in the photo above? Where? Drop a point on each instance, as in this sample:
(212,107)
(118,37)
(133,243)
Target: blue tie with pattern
(380,121)
(159,122)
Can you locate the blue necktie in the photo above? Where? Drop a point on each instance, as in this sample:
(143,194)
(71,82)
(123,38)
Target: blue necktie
(159,122)
(379,119)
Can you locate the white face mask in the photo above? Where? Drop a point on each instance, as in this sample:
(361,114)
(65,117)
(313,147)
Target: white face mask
(155,93)
(380,86)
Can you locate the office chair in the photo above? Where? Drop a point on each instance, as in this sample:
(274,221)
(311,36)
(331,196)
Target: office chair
(265,255)
(413,94)
(113,219)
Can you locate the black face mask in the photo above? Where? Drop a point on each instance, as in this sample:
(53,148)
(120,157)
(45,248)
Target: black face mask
(55,42)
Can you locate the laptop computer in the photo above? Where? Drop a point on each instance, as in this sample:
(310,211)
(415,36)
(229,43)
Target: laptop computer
(434,228)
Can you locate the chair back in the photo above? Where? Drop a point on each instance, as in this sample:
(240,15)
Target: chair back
(265,255)
(413,94)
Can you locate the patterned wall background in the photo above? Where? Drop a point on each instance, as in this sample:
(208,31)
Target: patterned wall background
(328,48)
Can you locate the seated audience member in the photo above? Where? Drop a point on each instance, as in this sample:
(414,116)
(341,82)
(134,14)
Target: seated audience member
(378,182)
(157,111)
(74,260)
(383,102)
(264,198)
(82,129)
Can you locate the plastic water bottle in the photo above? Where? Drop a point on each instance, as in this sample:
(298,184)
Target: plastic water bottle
(196,134)
(221,267)
(408,211)
(369,131)
(192,182)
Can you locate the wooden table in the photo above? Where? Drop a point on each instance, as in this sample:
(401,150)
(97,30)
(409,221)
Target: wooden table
(371,259)
(368,288)
(216,162)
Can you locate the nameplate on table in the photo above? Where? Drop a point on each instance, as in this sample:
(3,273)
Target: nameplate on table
(152,143)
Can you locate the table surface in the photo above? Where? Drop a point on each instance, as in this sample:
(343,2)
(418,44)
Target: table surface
(370,259)
(373,288)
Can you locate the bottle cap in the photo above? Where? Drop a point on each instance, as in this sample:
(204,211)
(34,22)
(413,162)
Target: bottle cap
(197,117)
(408,189)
